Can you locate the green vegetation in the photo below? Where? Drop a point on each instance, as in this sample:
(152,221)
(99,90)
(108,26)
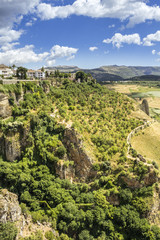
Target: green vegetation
(78,210)
(8,231)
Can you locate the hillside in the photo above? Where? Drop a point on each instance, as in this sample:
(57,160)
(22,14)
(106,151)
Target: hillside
(114,72)
(63,152)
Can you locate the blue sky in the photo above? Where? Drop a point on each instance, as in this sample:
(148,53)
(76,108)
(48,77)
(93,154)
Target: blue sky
(85,33)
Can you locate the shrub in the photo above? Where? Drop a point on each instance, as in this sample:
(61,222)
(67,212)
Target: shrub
(49,235)
(8,231)
(61,151)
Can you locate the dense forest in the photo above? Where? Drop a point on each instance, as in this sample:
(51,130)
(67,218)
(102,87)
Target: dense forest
(96,202)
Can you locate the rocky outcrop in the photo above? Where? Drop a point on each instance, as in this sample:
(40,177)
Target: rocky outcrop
(10,210)
(145,107)
(5,109)
(130,182)
(9,207)
(17,97)
(148,179)
(151,177)
(154,213)
(77,154)
(65,171)
(13,141)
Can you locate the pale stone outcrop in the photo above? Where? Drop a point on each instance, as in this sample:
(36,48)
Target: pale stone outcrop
(9,207)
(5,109)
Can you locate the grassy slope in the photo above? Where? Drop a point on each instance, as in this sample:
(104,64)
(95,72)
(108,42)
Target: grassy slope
(147,143)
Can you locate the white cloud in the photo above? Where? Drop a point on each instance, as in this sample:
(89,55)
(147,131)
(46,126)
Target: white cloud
(60,52)
(29,24)
(151,38)
(118,39)
(8,46)
(111,26)
(50,63)
(154,52)
(9,55)
(21,56)
(12,11)
(7,35)
(71,57)
(136,11)
(92,49)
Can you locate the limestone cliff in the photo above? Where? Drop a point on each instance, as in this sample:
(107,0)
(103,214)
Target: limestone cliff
(5,109)
(77,154)
(13,141)
(9,207)
(10,210)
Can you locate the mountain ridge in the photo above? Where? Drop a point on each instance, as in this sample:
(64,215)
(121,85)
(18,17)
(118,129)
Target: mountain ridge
(113,72)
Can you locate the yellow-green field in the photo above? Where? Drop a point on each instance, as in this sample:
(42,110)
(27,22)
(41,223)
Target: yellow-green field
(138,92)
(147,143)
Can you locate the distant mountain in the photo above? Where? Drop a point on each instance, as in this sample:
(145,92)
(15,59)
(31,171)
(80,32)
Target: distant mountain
(145,78)
(65,68)
(131,71)
(114,72)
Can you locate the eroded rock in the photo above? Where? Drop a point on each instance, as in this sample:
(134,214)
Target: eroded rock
(77,154)
(9,207)
(5,109)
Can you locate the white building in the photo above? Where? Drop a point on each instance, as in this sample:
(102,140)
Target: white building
(39,74)
(5,71)
(31,74)
(35,74)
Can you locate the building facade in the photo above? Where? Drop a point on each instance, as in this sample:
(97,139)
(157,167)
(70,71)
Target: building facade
(5,71)
(35,74)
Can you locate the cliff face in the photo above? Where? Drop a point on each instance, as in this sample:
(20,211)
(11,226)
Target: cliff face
(13,141)
(5,109)
(77,154)
(9,207)
(10,210)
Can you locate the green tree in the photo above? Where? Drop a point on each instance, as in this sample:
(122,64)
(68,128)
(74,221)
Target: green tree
(80,75)
(21,73)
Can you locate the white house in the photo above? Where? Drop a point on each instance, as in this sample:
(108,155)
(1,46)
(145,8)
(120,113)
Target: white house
(31,73)
(39,74)
(35,74)
(5,71)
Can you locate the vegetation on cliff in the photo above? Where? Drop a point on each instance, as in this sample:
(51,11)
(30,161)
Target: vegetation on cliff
(103,205)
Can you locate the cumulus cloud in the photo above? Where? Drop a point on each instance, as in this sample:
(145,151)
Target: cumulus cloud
(21,56)
(10,55)
(31,22)
(8,35)
(151,38)
(136,11)
(92,49)
(118,39)
(154,52)
(8,46)
(12,11)
(60,52)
